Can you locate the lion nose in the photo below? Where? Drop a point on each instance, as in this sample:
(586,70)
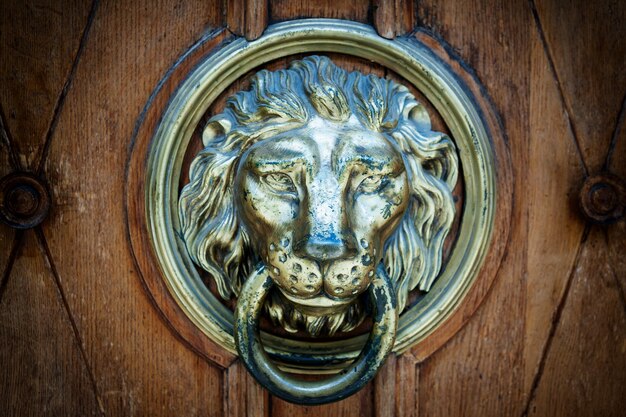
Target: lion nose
(326,235)
(324,250)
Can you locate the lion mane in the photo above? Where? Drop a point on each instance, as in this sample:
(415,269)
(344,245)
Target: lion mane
(287,99)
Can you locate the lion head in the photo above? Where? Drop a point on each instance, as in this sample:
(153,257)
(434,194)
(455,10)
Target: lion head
(320,174)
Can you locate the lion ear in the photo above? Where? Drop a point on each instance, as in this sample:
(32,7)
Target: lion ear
(215,128)
(419,115)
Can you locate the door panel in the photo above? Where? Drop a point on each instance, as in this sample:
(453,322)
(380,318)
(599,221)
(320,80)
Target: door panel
(79,334)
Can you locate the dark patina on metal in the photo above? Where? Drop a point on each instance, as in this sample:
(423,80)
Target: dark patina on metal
(24,200)
(603,198)
(385,321)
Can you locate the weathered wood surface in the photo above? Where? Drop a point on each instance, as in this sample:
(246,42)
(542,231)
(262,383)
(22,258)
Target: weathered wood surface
(78,334)
(8,163)
(247,18)
(393,18)
(40,42)
(44,368)
(242,395)
(554,225)
(482,366)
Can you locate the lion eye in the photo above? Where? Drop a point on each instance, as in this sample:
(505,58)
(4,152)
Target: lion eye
(372,184)
(279,182)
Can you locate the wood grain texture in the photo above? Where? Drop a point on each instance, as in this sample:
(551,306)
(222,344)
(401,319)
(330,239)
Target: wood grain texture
(554,224)
(480,371)
(335,9)
(393,18)
(549,338)
(616,233)
(587,42)
(616,157)
(139,234)
(139,366)
(504,202)
(39,43)
(243,396)
(585,370)
(7,164)
(247,18)
(398,379)
(43,371)
(359,404)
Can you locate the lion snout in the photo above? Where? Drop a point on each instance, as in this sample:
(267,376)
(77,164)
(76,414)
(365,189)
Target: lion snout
(325,250)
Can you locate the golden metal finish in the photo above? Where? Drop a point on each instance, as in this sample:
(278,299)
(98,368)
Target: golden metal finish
(320,175)
(416,64)
(323,177)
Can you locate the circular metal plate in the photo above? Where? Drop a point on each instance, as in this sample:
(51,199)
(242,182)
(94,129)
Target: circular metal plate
(155,171)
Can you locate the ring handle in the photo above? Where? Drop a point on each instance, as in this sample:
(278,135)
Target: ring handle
(337,387)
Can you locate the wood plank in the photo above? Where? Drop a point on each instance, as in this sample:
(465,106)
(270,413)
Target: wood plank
(480,371)
(247,18)
(7,234)
(139,366)
(396,391)
(585,369)
(393,18)
(616,163)
(43,371)
(39,44)
(359,404)
(243,396)
(502,219)
(554,225)
(139,234)
(334,9)
(616,157)
(586,42)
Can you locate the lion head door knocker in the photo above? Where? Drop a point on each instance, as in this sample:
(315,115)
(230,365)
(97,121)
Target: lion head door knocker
(317,186)
(315,221)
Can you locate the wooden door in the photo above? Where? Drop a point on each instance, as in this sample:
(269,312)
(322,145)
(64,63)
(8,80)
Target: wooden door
(79,334)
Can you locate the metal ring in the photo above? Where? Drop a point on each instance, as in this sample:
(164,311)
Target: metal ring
(482,151)
(341,385)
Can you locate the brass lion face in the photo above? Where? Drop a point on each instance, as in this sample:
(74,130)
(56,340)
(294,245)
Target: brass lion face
(319,203)
(320,175)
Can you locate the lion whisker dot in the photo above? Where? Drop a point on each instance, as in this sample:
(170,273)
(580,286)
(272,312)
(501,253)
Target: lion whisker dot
(293,278)
(284,242)
(272,246)
(364,243)
(282,257)
(371,273)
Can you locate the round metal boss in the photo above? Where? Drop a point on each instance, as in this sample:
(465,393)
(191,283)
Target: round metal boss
(24,200)
(407,57)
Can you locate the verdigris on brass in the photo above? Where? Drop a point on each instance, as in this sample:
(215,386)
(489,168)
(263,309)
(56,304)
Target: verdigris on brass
(320,175)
